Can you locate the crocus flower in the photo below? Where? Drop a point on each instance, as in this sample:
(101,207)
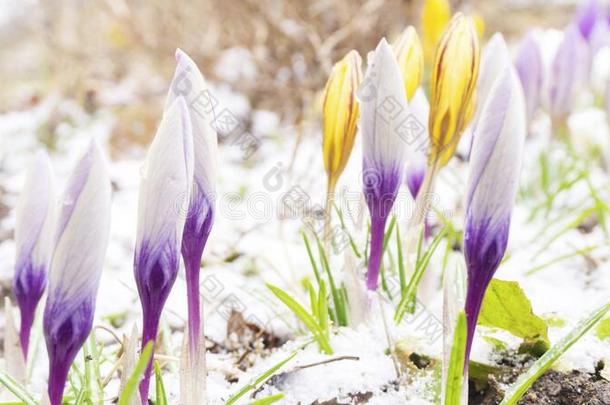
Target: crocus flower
(410,58)
(340,115)
(189,83)
(384,108)
(530,69)
(165,189)
(566,72)
(416,164)
(434,20)
(492,185)
(452,89)
(80,243)
(587,16)
(33,238)
(608,99)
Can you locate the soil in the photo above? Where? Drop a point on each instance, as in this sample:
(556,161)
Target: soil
(553,388)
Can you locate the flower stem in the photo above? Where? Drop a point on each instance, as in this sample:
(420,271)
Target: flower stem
(377,234)
(149,334)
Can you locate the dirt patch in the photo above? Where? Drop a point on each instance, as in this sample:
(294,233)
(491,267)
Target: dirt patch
(553,388)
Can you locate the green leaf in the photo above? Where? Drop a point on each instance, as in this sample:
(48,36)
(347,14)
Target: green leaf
(300,312)
(17,389)
(506,306)
(603,329)
(527,379)
(159,387)
(268,400)
(455,373)
(138,372)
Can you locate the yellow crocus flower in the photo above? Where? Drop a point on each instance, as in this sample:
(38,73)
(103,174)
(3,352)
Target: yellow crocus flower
(340,115)
(452,93)
(410,58)
(434,20)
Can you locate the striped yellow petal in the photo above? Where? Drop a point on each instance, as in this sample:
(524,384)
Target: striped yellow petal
(434,19)
(340,115)
(452,92)
(410,56)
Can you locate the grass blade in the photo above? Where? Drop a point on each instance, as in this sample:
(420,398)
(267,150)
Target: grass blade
(263,377)
(268,400)
(527,379)
(138,372)
(160,388)
(322,310)
(407,301)
(17,389)
(311,259)
(455,373)
(339,304)
(304,316)
(401,265)
(94,392)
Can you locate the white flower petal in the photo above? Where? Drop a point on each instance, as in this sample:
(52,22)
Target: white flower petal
(189,83)
(497,151)
(383,110)
(35,214)
(167,178)
(82,234)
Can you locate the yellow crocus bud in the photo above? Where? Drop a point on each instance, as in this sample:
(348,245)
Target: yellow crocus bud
(434,20)
(340,115)
(410,58)
(479,23)
(452,92)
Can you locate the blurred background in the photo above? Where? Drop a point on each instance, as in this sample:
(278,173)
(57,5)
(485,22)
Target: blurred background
(117,55)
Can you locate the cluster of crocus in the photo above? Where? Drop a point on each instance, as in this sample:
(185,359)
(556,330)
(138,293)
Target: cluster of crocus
(79,248)
(555,81)
(389,96)
(33,239)
(566,75)
(176,208)
(494,173)
(165,187)
(70,247)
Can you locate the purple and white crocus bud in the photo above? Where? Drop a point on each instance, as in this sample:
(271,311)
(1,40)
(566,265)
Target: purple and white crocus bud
(568,68)
(492,185)
(607,97)
(587,16)
(494,58)
(417,161)
(33,239)
(165,189)
(530,69)
(81,238)
(190,84)
(383,109)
